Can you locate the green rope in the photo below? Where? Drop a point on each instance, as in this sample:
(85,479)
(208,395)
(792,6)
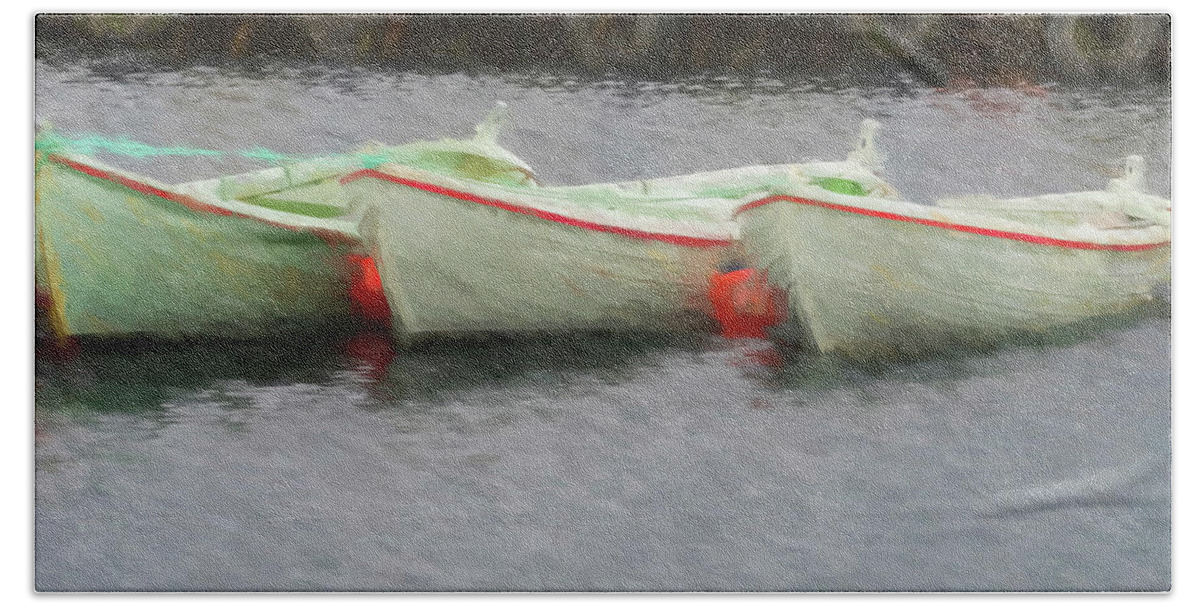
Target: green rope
(89,145)
(268,155)
(370,161)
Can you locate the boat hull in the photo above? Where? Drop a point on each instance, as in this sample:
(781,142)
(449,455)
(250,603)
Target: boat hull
(454,262)
(869,283)
(117,254)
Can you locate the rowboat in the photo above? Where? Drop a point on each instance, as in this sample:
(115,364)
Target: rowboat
(459,256)
(118,253)
(874,276)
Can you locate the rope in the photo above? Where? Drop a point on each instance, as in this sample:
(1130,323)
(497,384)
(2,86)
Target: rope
(89,145)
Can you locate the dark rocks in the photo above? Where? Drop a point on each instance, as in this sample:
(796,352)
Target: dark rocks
(934,49)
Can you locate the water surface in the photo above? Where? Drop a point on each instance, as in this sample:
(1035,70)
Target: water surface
(610,462)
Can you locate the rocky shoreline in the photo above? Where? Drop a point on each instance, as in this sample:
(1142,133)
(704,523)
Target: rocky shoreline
(934,49)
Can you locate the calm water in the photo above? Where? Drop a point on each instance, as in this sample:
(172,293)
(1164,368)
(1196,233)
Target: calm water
(610,462)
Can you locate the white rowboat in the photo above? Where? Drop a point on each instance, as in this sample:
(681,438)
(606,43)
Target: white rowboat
(461,257)
(876,277)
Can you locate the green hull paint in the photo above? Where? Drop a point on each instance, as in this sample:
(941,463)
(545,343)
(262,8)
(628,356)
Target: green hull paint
(120,261)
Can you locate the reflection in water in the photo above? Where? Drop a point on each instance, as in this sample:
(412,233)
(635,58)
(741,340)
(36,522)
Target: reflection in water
(501,363)
(373,351)
(814,371)
(144,375)
(138,374)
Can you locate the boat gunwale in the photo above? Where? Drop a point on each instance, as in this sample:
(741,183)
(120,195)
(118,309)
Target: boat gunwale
(329,235)
(989,232)
(672,239)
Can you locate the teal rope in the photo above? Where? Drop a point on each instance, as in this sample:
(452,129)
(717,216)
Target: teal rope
(89,145)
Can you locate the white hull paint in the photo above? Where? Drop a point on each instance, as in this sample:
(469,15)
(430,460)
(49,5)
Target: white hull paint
(873,278)
(461,257)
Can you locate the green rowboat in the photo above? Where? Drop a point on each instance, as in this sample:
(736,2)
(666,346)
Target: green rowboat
(119,253)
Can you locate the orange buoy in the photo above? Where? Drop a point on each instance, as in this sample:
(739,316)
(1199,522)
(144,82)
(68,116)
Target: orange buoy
(745,303)
(366,291)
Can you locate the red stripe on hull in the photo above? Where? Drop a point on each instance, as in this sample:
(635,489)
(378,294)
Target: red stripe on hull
(330,236)
(1002,234)
(673,239)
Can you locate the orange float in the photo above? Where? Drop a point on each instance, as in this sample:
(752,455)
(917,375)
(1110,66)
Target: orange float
(744,302)
(366,291)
